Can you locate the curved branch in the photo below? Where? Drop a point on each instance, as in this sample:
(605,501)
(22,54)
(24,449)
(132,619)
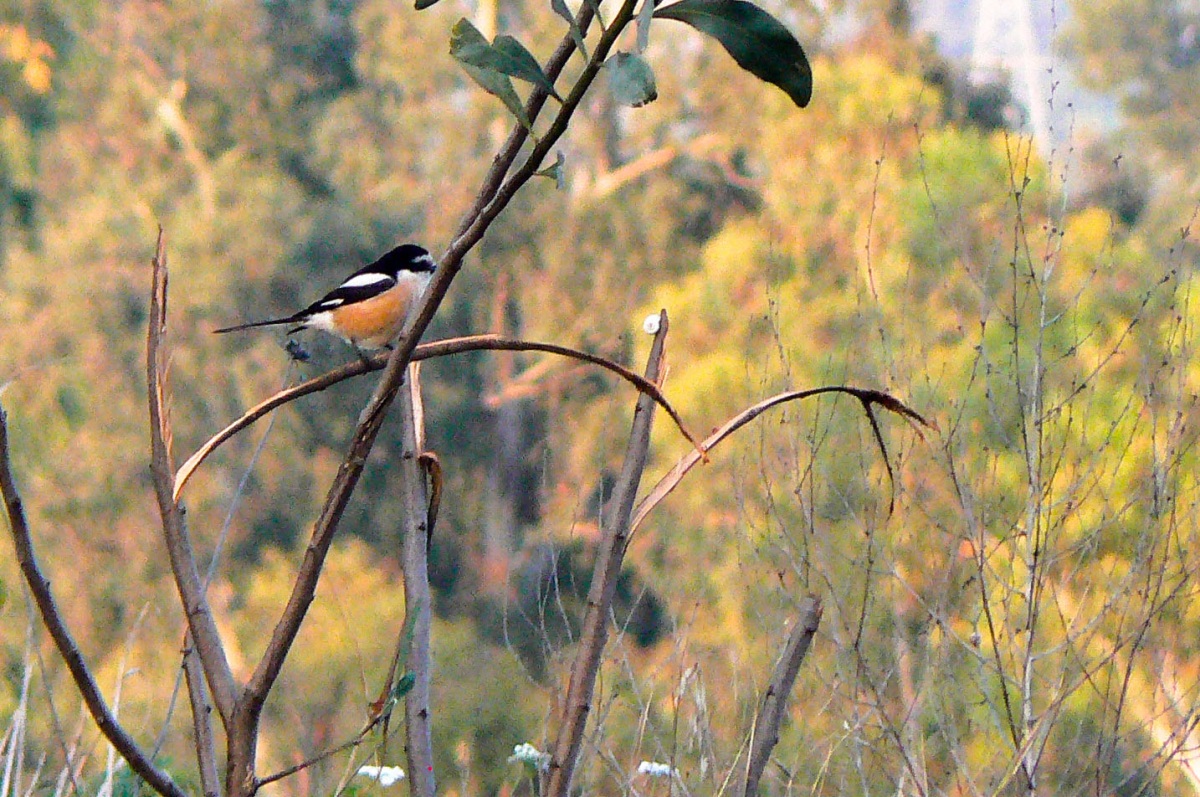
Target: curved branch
(868,398)
(440,348)
(39,586)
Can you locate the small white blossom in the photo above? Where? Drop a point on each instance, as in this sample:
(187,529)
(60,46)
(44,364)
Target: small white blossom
(387,776)
(526,753)
(656,770)
(652,324)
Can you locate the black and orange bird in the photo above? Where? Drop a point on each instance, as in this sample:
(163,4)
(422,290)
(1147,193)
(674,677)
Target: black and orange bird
(369,308)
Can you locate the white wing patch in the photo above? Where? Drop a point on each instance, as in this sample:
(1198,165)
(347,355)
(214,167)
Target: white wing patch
(363,280)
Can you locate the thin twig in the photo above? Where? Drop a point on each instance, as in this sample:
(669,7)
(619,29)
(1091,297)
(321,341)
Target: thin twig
(188,645)
(609,557)
(60,734)
(323,755)
(774,703)
(39,586)
(440,348)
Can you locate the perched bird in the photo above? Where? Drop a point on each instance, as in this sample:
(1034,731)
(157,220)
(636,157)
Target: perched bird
(369,308)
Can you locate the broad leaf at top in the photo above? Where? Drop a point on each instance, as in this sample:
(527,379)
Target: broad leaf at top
(757,41)
(505,55)
(471,49)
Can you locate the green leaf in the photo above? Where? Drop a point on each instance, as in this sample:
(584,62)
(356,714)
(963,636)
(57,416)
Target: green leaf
(645,14)
(471,49)
(404,685)
(560,7)
(757,41)
(468,45)
(554,171)
(506,55)
(518,62)
(630,79)
(421,5)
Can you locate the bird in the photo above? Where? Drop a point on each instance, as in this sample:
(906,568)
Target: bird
(369,308)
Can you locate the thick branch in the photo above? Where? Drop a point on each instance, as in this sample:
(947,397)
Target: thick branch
(774,703)
(440,348)
(39,587)
(610,554)
(162,469)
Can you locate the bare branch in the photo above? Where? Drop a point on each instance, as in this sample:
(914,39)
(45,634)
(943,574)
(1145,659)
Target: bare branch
(440,348)
(319,757)
(418,601)
(206,748)
(774,703)
(867,398)
(162,469)
(609,556)
(39,586)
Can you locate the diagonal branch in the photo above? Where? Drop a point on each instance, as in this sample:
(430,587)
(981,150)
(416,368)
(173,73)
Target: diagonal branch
(609,556)
(349,744)
(774,703)
(39,586)
(868,398)
(489,203)
(175,533)
(440,348)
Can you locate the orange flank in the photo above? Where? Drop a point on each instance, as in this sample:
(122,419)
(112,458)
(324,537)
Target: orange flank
(375,322)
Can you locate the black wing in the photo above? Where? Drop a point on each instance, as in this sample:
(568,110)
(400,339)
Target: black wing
(363,284)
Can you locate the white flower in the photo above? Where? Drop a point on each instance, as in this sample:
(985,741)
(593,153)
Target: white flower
(652,323)
(656,770)
(526,753)
(387,776)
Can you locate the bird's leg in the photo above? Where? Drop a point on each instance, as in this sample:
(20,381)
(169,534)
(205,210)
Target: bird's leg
(362,355)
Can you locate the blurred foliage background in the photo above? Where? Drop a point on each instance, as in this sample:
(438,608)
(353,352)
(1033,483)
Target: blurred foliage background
(1028,605)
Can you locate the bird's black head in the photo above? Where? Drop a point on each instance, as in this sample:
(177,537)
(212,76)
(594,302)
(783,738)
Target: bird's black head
(406,257)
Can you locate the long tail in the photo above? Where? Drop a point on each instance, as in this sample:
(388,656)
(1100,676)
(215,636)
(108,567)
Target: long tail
(273,322)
